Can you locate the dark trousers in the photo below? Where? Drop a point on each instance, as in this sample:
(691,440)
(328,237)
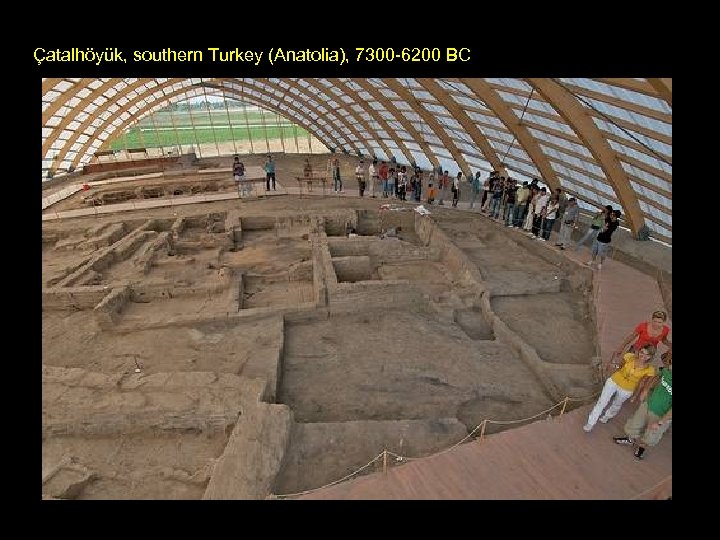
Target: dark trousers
(537,224)
(547,228)
(269,176)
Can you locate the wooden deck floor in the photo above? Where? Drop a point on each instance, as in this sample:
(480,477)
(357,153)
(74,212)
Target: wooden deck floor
(549,459)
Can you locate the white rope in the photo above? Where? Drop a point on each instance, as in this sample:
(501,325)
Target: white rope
(331,483)
(400,458)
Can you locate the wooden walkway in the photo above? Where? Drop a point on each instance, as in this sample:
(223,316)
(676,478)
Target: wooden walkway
(549,459)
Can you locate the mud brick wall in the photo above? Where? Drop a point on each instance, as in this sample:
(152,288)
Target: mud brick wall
(353,268)
(107,311)
(527,353)
(99,261)
(156,291)
(256,223)
(397,218)
(178,227)
(370,295)
(253,456)
(302,271)
(323,271)
(125,248)
(339,222)
(110,235)
(204,221)
(144,258)
(233,227)
(73,298)
(350,247)
(122,165)
(452,256)
(234,295)
(106,424)
(390,251)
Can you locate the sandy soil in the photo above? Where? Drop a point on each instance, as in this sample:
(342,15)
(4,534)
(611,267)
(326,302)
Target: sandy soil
(365,377)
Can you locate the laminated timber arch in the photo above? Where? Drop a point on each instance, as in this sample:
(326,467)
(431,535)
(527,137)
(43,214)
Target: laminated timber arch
(505,114)
(179,92)
(576,116)
(59,103)
(303,120)
(267,83)
(88,121)
(466,122)
(642,87)
(632,171)
(84,102)
(274,102)
(49,84)
(429,120)
(338,127)
(375,93)
(622,104)
(321,89)
(664,88)
(378,118)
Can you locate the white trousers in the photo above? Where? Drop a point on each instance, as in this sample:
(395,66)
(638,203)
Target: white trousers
(609,391)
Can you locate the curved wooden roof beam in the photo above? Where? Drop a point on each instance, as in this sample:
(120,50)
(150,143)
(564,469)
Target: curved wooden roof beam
(390,107)
(430,120)
(49,84)
(245,97)
(79,108)
(58,158)
(352,115)
(91,116)
(308,124)
(578,118)
(168,99)
(466,122)
(512,122)
(378,118)
(62,99)
(663,87)
(304,92)
(630,84)
(620,103)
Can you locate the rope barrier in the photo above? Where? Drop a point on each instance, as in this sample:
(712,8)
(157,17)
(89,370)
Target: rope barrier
(285,495)
(399,458)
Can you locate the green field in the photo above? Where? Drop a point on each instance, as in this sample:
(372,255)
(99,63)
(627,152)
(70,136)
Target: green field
(201,126)
(134,138)
(236,118)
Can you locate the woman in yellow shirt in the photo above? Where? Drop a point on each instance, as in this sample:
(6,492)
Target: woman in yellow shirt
(621,384)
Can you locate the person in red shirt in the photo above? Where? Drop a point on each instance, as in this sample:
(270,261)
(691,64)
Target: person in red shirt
(653,332)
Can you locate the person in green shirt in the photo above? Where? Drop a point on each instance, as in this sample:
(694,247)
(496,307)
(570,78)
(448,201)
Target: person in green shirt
(653,417)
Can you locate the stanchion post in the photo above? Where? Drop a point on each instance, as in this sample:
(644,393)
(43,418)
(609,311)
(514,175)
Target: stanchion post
(482,429)
(385,461)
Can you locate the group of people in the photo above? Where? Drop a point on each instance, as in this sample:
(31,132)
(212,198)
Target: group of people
(534,209)
(244,187)
(528,206)
(634,377)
